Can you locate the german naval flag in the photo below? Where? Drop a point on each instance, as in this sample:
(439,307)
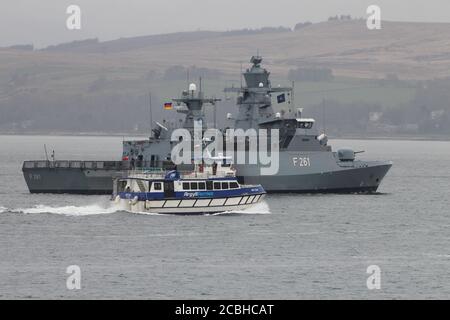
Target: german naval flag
(168,106)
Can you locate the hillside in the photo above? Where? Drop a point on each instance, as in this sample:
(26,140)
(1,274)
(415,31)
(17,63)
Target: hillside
(92,76)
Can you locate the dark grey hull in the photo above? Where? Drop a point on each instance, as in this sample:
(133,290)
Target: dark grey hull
(70,180)
(352,180)
(96,181)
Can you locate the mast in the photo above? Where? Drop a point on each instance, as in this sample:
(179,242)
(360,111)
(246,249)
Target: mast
(254,98)
(194,101)
(150,111)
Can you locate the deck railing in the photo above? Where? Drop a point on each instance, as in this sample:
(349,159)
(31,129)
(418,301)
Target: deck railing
(139,169)
(100,165)
(157,173)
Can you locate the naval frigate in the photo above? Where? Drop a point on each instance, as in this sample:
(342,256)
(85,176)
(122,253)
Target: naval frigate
(96,177)
(307,164)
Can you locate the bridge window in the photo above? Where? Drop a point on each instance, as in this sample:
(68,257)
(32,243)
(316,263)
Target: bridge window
(305,124)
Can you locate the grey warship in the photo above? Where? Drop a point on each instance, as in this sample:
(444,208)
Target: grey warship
(307,164)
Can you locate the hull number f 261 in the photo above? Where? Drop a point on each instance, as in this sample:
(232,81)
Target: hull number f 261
(301,161)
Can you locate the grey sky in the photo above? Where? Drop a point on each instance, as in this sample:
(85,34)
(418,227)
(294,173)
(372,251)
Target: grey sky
(42,22)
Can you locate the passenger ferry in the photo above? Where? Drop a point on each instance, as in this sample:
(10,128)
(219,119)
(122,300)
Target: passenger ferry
(206,189)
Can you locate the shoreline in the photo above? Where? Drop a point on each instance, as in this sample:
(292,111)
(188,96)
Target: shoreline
(142,135)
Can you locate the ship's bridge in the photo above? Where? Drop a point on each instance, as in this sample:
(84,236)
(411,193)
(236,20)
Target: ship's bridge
(305,123)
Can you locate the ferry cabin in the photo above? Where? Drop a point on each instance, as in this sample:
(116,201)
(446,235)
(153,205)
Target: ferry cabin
(185,193)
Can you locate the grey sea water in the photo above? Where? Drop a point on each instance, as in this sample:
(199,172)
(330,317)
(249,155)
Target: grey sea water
(290,247)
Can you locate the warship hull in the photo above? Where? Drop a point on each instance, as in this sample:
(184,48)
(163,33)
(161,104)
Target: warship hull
(45,177)
(305,162)
(100,181)
(355,180)
(317,172)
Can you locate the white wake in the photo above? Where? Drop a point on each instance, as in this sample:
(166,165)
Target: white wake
(93,209)
(109,208)
(258,208)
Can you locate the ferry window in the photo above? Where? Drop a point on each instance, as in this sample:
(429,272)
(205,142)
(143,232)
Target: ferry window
(217,185)
(122,185)
(194,185)
(224,185)
(186,185)
(157,186)
(233,185)
(209,185)
(202,185)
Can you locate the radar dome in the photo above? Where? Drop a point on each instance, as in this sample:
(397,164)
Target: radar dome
(192,87)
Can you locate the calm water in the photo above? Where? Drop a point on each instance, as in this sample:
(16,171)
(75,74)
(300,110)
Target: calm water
(292,246)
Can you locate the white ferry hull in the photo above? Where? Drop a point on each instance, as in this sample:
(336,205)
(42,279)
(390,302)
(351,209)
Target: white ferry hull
(190,206)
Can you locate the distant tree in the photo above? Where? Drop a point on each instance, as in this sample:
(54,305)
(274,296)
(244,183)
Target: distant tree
(180,72)
(247,31)
(72,45)
(342,17)
(175,73)
(205,73)
(302,25)
(24,47)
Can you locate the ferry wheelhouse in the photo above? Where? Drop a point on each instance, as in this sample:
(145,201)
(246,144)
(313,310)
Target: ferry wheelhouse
(206,189)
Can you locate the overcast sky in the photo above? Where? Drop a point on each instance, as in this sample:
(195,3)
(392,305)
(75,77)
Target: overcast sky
(43,22)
